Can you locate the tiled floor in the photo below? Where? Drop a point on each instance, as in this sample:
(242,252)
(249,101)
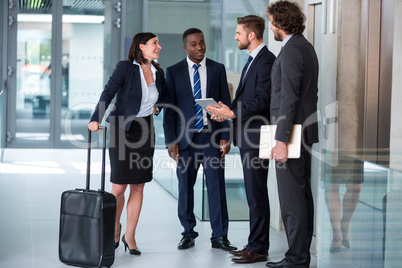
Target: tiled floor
(31,183)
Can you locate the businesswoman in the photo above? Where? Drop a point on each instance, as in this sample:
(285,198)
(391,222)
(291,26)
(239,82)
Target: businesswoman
(139,86)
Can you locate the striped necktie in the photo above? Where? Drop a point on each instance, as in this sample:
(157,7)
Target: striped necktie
(199,124)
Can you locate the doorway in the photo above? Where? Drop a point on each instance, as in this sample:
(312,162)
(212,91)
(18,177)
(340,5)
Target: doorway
(56,55)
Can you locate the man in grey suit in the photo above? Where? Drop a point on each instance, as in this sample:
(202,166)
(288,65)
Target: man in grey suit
(294,80)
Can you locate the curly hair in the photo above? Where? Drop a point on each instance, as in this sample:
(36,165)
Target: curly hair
(135,53)
(287,16)
(253,23)
(190,31)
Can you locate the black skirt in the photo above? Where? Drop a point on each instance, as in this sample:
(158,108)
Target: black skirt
(347,171)
(131,152)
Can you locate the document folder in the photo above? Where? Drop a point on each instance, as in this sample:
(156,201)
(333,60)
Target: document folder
(267,141)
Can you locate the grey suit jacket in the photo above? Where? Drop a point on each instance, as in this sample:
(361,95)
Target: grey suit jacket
(294,98)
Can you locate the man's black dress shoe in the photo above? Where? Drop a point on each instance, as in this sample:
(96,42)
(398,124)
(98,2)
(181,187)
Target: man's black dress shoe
(186,242)
(250,257)
(275,264)
(284,263)
(223,242)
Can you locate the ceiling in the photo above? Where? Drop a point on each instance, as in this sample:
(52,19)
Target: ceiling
(78,7)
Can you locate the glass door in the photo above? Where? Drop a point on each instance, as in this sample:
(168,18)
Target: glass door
(81,67)
(29,71)
(56,57)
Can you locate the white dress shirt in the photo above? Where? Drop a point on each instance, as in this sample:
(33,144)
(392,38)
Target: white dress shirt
(150,93)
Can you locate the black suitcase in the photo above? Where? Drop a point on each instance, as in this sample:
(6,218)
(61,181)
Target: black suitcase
(87,219)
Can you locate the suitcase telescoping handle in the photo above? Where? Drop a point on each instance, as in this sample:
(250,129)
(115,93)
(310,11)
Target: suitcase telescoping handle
(103,129)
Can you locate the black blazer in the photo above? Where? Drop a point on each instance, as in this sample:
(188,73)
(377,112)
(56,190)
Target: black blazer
(125,83)
(180,129)
(294,90)
(251,103)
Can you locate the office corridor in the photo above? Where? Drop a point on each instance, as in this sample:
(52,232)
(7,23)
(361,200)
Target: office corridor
(31,183)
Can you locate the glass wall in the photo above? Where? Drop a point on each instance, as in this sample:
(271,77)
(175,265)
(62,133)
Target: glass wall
(33,72)
(177,17)
(218,20)
(57,57)
(82,61)
(233,58)
(359,210)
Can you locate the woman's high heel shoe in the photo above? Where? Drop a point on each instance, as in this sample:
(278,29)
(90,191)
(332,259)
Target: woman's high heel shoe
(132,251)
(116,244)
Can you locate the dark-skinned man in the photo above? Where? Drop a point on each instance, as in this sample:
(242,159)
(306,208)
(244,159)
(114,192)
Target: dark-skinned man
(193,138)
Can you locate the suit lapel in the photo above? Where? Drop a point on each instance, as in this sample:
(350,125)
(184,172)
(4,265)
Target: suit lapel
(158,82)
(293,39)
(277,59)
(252,66)
(137,77)
(241,83)
(242,74)
(249,70)
(209,76)
(186,80)
(280,52)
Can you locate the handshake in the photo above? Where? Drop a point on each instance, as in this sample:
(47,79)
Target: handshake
(218,111)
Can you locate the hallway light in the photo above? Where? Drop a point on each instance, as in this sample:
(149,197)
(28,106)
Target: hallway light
(66,18)
(83,19)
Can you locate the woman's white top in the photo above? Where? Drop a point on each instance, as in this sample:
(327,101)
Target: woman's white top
(150,93)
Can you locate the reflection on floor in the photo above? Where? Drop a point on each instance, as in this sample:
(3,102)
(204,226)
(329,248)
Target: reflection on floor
(31,183)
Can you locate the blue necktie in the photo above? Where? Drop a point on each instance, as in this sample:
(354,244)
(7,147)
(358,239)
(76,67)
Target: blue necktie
(199,124)
(245,67)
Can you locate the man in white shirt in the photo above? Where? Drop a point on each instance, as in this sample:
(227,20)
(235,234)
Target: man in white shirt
(193,139)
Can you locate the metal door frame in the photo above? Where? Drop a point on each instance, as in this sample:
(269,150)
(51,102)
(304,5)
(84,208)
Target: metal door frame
(3,88)
(377,46)
(11,13)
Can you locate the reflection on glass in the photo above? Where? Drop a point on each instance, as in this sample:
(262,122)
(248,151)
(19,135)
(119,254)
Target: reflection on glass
(208,18)
(33,77)
(349,173)
(235,58)
(235,193)
(359,221)
(82,71)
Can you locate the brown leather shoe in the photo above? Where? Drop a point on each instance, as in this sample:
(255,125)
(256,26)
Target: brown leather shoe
(250,257)
(239,252)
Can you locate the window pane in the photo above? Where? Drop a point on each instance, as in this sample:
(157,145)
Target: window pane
(33,76)
(82,67)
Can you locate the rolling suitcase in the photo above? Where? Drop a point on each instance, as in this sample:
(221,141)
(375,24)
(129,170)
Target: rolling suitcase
(87,219)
